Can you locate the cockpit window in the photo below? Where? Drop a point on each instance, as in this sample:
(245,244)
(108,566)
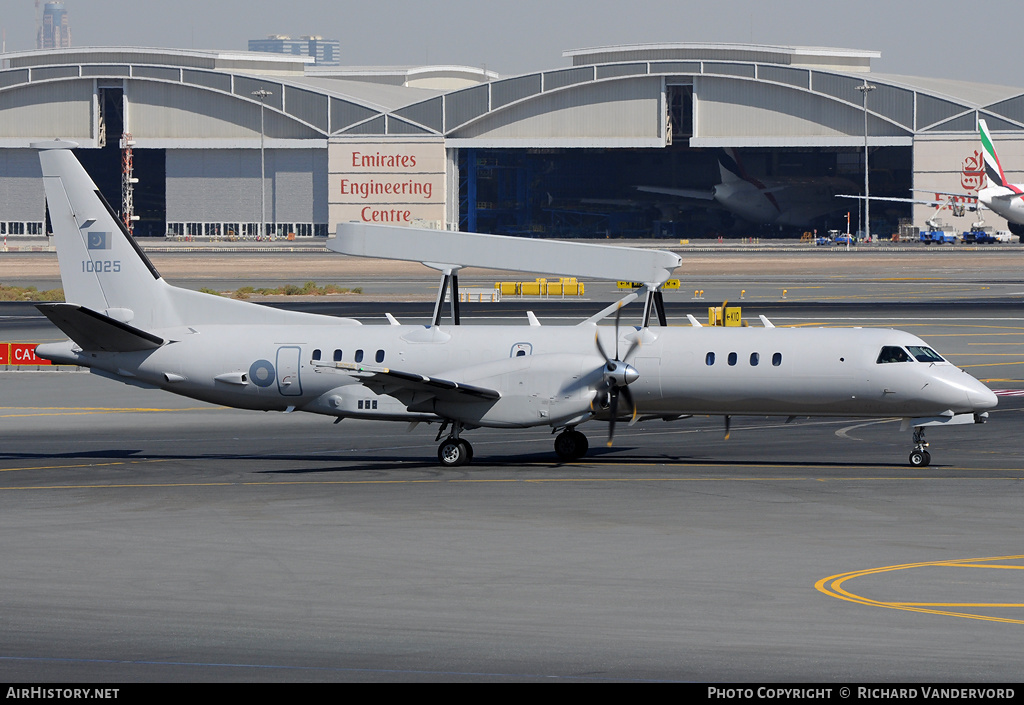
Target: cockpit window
(892,353)
(923,354)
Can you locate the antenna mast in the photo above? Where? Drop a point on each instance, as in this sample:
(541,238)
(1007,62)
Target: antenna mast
(128,182)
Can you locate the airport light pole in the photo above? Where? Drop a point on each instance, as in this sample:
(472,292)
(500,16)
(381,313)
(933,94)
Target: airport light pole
(262,94)
(864,90)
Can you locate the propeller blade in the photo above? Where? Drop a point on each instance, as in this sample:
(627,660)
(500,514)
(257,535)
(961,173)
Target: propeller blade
(600,348)
(618,315)
(632,405)
(728,421)
(617,375)
(614,410)
(637,342)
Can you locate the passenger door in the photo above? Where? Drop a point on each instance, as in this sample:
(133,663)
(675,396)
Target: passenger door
(288,383)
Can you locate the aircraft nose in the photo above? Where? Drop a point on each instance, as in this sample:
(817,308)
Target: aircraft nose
(959,390)
(981,397)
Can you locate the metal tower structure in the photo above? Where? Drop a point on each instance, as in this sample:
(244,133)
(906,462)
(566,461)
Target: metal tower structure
(128,182)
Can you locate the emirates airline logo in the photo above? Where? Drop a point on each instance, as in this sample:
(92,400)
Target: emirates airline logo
(972,175)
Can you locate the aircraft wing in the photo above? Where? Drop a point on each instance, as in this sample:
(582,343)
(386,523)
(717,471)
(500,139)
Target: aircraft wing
(944,193)
(888,198)
(448,249)
(935,202)
(679,192)
(94,331)
(384,380)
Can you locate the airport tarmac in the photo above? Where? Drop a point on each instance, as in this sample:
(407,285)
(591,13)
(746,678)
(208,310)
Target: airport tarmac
(153,538)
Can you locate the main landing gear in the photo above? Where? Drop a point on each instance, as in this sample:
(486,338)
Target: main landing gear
(920,457)
(454,451)
(570,444)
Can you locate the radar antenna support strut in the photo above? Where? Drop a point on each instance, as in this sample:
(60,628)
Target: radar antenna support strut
(449,283)
(655,303)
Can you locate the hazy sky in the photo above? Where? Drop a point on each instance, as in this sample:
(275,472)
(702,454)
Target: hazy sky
(939,38)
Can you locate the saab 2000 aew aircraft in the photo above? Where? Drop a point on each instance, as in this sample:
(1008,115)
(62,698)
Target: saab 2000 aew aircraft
(126,323)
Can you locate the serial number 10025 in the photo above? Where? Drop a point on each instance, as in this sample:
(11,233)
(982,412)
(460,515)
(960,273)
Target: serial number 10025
(101,265)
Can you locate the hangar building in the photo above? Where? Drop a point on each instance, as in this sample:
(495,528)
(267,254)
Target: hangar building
(617,143)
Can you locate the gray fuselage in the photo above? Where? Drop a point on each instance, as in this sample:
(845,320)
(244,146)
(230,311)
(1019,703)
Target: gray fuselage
(548,375)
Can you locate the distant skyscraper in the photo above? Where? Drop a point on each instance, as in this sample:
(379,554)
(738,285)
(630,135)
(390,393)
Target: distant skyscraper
(55,32)
(326,51)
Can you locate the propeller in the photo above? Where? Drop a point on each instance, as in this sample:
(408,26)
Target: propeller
(618,375)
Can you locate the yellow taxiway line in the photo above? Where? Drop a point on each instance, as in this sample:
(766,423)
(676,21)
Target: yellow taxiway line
(833,586)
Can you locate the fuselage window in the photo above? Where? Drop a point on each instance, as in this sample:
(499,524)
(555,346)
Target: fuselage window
(709,359)
(337,355)
(732,359)
(316,354)
(754,359)
(359,355)
(923,354)
(379,357)
(892,353)
(777,359)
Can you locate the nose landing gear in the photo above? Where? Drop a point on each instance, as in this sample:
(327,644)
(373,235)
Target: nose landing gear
(920,457)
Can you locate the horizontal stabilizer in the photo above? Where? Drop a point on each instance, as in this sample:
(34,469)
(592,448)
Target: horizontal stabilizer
(444,249)
(94,331)
(1005,196)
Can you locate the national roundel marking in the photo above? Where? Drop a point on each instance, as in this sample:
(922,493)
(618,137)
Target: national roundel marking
(262,373)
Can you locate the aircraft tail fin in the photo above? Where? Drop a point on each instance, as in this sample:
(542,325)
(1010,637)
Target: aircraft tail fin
(730,167)
(105,271)
(101,266)
(993,169)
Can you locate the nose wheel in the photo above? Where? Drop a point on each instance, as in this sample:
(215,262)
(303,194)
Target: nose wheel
(920,457)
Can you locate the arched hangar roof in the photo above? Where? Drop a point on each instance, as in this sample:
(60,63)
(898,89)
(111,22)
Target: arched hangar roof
(739,95)
(179,98)
(742,95)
